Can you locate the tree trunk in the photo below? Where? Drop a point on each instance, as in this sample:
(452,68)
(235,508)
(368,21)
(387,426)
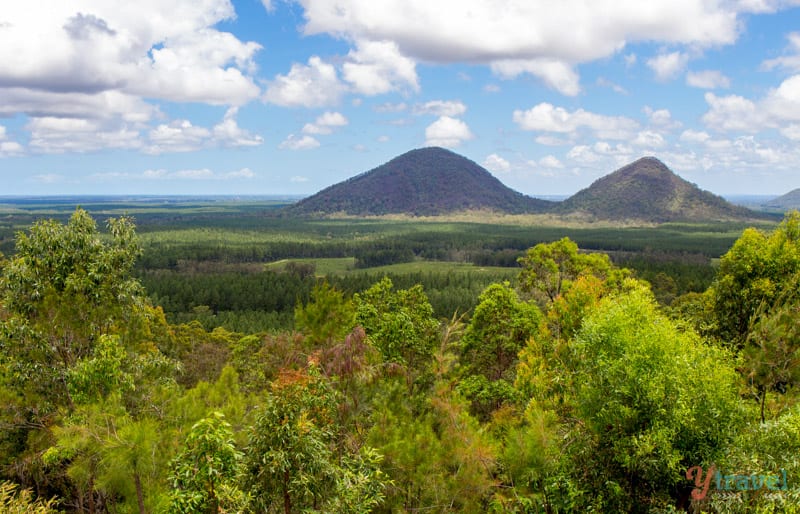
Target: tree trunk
(139,493)
(287,499)
(91,494)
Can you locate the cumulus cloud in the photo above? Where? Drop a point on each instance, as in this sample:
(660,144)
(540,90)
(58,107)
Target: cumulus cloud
(377,67)
(325,123)
(9,148)
(550,161)
(441,108)
(791,59)
(447,132)
(59,135)
(314,85)
(708,79)
(293,142)
(695,136)
(479,31)
(668,66)
(779,109)
(661,118)
(555,74)
(87,73)
(496,164)
(544,117)
(159,49)
(524,37)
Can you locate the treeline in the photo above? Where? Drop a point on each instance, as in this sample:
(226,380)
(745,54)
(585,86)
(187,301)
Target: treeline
(253,302)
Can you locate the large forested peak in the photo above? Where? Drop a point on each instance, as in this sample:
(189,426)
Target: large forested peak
(422,182)
(648,190)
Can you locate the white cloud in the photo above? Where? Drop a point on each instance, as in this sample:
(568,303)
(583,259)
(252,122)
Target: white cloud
(648,139)
(732,112)
(298,179)
(600,154)
(547,118)
(695,136)
(555,74)
(186,174)
(177,136)
(377,67)
(48,178)
(314,85)
(630,59)
(550,161)
(496,164)
(708,79)
(441,108)
(791,132)
(550,140)
(447,132)
(383,139)
(668,66)
(604,82)
(570,31)
(242,173)
(197,174)
(491,88)
(59,135)
(661,118)
(228,133)
(537,37)
(325,123)
(165,50)
(292,142)
(790,61)
(390,107)
(9,148)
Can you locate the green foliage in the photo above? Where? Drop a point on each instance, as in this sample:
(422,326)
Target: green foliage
(204,472)
(653,400)
(399,323)
(16,501)
(326,318)
(496,333)
(753,272)
(289,460)
(548,269)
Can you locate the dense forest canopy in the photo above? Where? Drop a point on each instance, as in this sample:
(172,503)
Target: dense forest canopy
(569,387)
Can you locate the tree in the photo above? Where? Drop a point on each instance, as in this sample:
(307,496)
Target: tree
(204,473)
(326,318)
(400,324)
(755,271)
(653,400)
(548,269)
(772,350)
(61,292)
(289,459)
(496,333)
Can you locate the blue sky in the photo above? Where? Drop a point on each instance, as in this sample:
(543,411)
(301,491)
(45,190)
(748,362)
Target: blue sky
(288,97)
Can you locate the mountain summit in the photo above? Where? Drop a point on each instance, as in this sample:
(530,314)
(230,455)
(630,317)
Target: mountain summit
(648,190)
(425,181)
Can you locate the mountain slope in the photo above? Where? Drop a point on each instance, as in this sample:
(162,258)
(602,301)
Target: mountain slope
(425,181)
(648,190)
(790,200)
